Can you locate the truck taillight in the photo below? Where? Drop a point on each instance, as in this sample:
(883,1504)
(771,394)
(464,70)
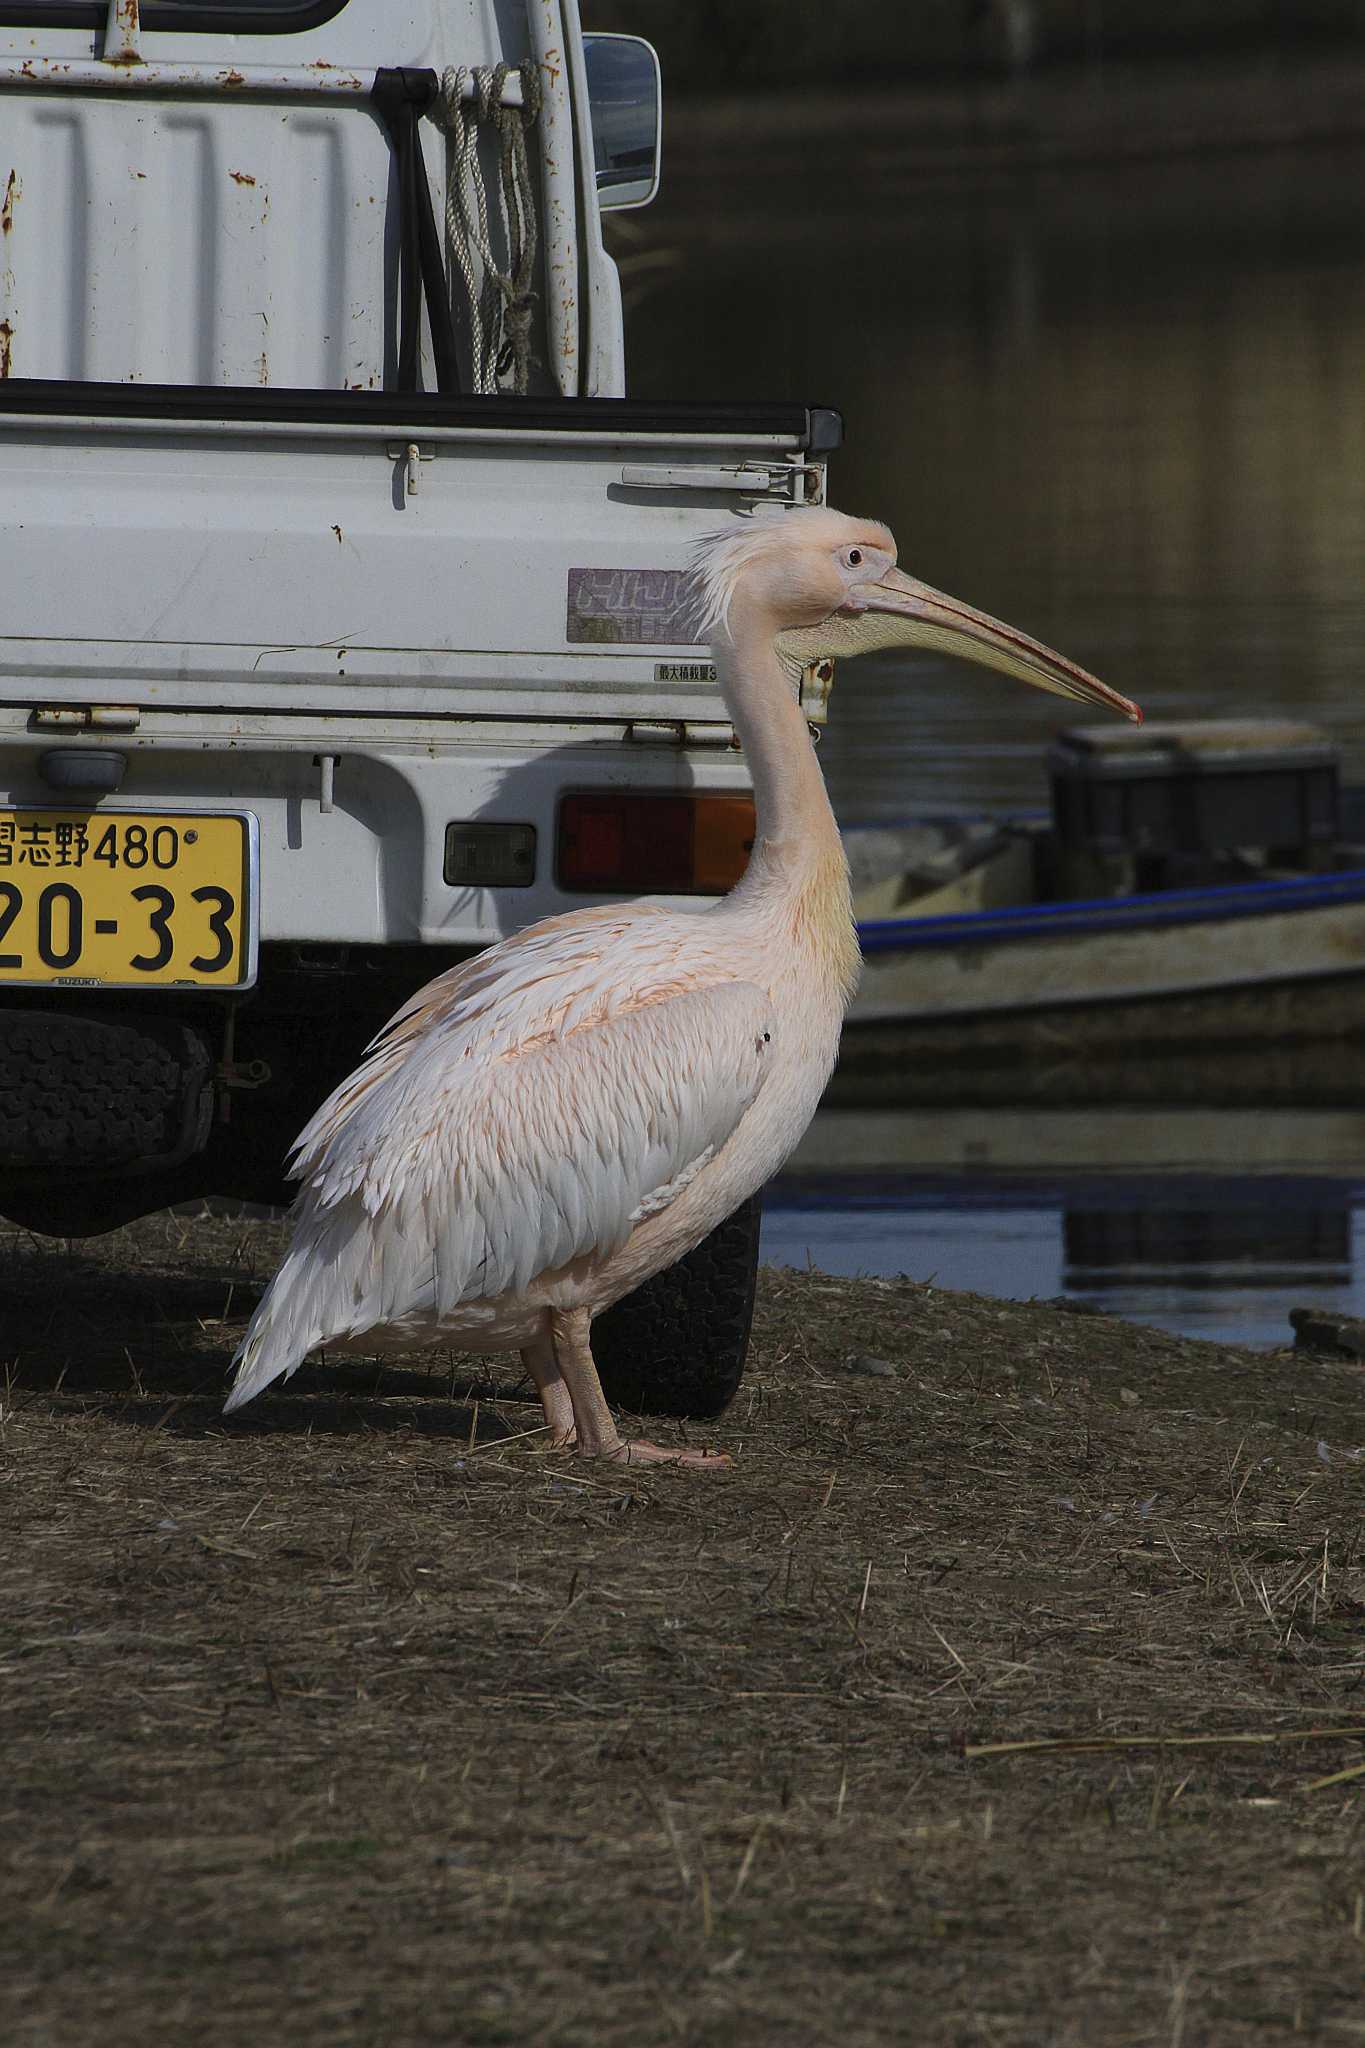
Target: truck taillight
(638,840)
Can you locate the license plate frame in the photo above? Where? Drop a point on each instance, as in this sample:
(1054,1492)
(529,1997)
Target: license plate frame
(22,963)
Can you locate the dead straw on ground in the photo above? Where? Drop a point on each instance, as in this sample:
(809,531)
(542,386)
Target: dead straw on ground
(365,1716)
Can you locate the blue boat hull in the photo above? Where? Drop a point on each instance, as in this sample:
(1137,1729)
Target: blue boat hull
(1248,995)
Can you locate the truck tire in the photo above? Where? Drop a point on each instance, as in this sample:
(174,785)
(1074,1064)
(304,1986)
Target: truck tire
(677,1345)
(100,1094)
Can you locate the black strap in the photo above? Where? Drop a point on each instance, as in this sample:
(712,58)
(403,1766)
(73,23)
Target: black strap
(400,96)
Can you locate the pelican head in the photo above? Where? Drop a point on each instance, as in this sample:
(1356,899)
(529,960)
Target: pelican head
(829,585)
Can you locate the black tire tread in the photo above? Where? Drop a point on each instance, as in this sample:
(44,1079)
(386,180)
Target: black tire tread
(677,1346)
(84,1094)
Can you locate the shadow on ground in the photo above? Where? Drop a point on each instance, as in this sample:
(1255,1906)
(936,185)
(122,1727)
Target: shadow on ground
(123,1325)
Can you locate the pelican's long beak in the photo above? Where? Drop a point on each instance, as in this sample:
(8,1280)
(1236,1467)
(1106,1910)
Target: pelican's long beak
(899,612)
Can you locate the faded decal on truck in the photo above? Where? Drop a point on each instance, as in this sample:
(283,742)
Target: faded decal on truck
(632,607)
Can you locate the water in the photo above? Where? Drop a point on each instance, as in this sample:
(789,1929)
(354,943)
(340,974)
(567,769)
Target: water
(1121,406)
(1228,1262)
(1211,1224)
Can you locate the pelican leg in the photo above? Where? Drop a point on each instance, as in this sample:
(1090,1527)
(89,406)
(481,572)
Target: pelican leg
(540,1362)
(597,1433)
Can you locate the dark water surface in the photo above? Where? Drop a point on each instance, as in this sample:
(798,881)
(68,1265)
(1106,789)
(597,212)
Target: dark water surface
(1124,407)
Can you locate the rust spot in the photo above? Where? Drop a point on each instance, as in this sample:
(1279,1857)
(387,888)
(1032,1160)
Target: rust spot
(265,367)
(13,191)
(6,348)
(121,35)
(241,177)
(233,78)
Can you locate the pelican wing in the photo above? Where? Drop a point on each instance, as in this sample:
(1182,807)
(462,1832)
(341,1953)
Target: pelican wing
(468,1156)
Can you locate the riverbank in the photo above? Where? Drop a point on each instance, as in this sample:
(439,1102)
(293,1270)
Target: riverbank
(363,1719)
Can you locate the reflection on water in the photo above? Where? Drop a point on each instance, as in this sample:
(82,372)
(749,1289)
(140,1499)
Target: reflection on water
(1225,1261)
(1121,406)
(1212,1224)
(1204,1238)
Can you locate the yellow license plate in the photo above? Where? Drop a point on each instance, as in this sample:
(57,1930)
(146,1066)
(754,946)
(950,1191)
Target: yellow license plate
(127,899)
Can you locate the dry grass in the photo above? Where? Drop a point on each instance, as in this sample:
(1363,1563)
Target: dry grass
(357,1722)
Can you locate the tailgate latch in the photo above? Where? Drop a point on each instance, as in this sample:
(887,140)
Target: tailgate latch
(799,482)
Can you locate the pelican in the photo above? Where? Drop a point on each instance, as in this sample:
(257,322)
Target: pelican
(545,1126)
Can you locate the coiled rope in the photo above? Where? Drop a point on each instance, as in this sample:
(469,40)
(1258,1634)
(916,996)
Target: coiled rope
(500,302)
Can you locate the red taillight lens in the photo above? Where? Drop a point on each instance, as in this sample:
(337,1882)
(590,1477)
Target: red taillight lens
(635,840)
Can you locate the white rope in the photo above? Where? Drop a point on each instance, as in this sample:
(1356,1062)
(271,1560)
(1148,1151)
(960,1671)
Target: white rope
(498,302)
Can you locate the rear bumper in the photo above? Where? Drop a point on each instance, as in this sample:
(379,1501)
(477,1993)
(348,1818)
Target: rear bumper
(352,821)
(120,1100)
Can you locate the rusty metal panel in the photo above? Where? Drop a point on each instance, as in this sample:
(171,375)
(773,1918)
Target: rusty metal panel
(169,221)
(183,242)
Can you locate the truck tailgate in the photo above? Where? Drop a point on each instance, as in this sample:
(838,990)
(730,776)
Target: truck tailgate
(369,553)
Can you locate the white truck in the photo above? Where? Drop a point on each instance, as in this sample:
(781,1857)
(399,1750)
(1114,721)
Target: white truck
(343,620)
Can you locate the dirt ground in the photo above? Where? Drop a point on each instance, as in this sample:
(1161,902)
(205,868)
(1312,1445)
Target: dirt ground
(363,1719)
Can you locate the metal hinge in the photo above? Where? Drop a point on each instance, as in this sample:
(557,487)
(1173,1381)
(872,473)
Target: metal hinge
(85,718)
(791,481)
(680,732)
(412,455)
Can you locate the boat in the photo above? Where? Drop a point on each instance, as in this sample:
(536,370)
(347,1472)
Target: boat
(1187,924)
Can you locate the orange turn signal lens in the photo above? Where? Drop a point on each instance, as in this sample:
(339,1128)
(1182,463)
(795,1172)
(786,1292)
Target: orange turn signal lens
(637,840)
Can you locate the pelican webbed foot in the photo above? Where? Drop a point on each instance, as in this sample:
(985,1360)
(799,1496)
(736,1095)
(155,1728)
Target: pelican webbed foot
(561,1364)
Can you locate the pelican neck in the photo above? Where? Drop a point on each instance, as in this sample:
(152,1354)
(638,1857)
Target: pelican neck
(793,818)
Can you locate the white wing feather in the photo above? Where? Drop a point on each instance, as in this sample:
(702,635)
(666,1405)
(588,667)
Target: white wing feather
(524,1111)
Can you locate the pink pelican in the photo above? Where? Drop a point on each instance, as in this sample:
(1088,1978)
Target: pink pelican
(545,1126)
